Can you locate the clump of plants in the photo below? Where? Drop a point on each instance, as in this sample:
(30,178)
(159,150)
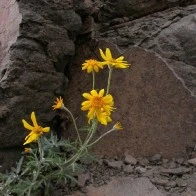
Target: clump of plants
(49,161)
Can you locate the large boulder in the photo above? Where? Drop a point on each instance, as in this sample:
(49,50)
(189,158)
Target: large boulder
(152,104)
(171,34)
(37,39)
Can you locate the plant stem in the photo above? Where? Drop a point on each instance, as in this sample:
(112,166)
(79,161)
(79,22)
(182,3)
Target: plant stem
(85,144)
(109,78)
(38,166)
(101,137)
(93,79)
(76,128)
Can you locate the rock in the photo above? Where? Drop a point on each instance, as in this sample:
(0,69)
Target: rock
(128,169)
(140,170)
(139,75)
(192,161)
(130,160)
(126,186)
(160,181)
(38,40)
(115,164)
(172,165)
(155,158)
(192,182)
(180,161)
(176,171)
(171,184)
(189,193)
(143,161)
(82,179)
(141,7)
(181,183)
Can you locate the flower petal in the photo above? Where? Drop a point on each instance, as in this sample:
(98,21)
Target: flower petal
(108,53)
(33,118)
(46,129)
(103,55)
(31,137)
(27,125)
(101,93)
(87,95)
(94,93)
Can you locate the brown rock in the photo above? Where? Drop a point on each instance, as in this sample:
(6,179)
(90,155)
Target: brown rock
(150,98)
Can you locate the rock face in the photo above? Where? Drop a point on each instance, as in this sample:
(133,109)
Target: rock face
(152,104)
(170,33)
(37,43)
(10,19)
(40,45)
(158,83)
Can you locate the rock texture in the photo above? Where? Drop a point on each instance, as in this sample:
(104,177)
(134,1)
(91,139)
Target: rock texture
(153,106)
(170,33)
(36,53)
(38,41)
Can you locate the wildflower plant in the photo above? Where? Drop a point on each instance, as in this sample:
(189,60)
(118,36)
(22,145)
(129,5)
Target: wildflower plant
(49,161)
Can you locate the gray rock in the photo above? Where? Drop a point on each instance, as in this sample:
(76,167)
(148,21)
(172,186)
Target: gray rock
(126,186)
(115,164)
(176,171)
(180,161)
(156,157)
(192,161)
(160,181)
(130,160)
(82,179)
(143,162)
(192,182)
(171,184)
(40,42)
(181,183)
(189,193)
(140,170)
(128,169)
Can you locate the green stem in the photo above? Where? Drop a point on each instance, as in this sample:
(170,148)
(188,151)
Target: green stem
(101,137)
(109,79)
(85,144)
(38,166)
(76,128)
(93,79)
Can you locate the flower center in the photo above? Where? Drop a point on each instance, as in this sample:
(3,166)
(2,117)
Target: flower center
(38,130)
(92,62)
(97,102)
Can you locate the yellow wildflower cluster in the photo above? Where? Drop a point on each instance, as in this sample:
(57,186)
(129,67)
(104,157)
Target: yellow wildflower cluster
(98,105)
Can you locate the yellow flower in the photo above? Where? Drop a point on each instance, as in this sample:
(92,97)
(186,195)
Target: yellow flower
(58,104)
(92,65)
(36,130)
(103,118)
(98,106)
(109,60)
(27,150)
(118,126)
